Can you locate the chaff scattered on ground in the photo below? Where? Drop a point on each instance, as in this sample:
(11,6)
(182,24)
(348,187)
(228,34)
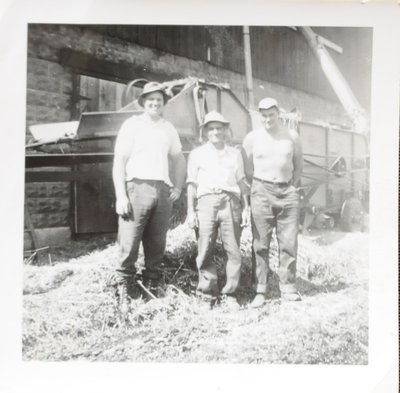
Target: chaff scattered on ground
(70,310)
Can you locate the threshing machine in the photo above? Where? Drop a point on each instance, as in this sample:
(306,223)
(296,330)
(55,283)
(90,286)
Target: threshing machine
(334,185)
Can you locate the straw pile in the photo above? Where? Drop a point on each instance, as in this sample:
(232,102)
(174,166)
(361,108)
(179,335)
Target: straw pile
(70,311)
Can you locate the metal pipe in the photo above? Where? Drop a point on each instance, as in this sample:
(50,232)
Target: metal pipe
(336,79)
(247,64)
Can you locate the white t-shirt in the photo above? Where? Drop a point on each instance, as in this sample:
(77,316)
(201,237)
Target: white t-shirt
(147,143)
(210,168)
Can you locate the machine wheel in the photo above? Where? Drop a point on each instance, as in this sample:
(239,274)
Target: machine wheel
(352,215)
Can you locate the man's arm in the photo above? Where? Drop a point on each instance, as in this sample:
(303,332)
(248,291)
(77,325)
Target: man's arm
(247,155)
(121,156)
(297,158)
(192,219)
(245,196)
(244,190)
(177,170)
(192,173)
(178,175)
(245,193)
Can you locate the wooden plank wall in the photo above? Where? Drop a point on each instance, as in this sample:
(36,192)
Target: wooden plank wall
(282,56)
(279,54)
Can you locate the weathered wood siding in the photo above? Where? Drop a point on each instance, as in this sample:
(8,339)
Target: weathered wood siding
(279,54)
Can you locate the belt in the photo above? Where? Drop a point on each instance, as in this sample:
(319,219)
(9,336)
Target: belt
(275,183)
(219,191)
(149,181)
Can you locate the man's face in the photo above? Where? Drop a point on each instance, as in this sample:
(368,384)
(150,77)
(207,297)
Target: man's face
(153,103)
(269,117)
(215,132)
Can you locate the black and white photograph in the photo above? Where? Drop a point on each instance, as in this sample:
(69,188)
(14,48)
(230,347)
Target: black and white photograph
(206,192)
(252,212)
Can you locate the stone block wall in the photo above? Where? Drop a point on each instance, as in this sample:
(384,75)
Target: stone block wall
(49,204)
(49,89)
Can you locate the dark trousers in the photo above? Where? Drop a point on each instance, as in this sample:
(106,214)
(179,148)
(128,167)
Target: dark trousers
(149,223)
(223,212)
(274,206)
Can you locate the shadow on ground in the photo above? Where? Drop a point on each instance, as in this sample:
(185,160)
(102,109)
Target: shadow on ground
(304,287)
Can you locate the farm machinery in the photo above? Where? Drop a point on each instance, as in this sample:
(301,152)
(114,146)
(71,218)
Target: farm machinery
(334,186)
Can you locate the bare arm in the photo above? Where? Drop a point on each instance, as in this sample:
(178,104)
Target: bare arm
(123,147)
(241,181)
(247,155)
(244,191)
(191,198)
(119,176)
(122,206)
(178,170)
(192,219)
(245,196)
(297,158)
(178,174)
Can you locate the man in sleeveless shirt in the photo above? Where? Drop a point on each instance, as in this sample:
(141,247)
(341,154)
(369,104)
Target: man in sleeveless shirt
(273,162)
(144,190)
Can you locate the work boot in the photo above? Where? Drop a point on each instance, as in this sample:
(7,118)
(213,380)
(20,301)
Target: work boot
(258,301)
(291,297)
(229,302)
(151,285)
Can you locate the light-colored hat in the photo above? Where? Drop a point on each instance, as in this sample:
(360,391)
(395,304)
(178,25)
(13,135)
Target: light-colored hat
(267,103)
(151,87)
(214,116)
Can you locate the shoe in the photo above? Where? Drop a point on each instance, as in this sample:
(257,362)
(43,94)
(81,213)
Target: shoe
(229,302)
(150,288)
(206,302)
(291,297)
(258,301)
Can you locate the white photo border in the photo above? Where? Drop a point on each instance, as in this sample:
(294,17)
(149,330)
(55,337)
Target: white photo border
(380,375)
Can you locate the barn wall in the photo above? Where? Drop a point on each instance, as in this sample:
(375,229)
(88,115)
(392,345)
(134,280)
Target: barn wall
(50,86)
(279,54)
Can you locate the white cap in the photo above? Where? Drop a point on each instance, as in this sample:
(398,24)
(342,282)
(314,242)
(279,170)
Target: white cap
(267,103)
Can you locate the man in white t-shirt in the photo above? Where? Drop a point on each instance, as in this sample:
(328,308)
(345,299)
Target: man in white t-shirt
(144,190)
(216,184)
(273,161)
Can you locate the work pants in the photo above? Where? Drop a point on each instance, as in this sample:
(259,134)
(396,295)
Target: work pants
(274,205)
(218,211)
(151,208)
